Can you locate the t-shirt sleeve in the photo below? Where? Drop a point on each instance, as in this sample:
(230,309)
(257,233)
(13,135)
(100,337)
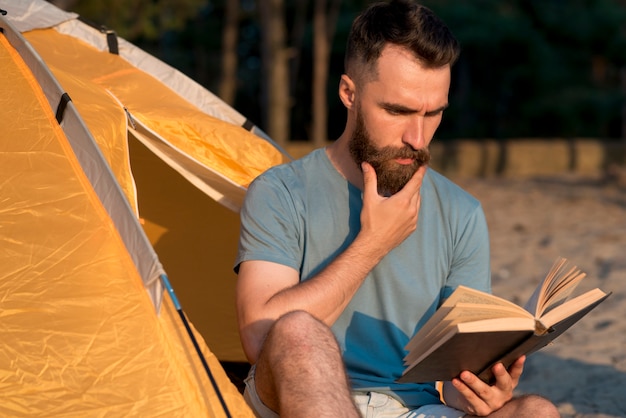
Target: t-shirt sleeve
(471,260)
(269,225)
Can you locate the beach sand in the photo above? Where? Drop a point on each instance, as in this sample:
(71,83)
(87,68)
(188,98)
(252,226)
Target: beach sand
(532,222)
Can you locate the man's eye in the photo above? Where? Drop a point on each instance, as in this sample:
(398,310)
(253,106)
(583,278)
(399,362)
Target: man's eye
(394,111)
(433,114)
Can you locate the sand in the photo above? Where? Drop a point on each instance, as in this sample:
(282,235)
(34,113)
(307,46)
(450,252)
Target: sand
(532,222)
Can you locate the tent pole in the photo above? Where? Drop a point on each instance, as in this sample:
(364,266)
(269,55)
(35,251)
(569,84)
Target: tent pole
(170,290)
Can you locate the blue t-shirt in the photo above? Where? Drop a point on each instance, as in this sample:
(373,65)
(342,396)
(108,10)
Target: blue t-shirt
(305,213)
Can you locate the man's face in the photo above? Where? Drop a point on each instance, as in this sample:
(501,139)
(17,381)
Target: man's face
(391,175)
(395,115)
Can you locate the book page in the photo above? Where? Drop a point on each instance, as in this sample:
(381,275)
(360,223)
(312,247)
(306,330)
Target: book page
(555,288)
(572,307)
(469,295)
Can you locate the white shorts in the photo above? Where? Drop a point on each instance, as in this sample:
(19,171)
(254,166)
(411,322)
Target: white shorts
(371,405)
(380,405)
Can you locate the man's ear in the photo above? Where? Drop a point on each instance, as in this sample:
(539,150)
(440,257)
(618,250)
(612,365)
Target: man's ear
(347,91)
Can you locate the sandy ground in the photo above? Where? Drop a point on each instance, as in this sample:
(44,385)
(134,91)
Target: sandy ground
(532,222)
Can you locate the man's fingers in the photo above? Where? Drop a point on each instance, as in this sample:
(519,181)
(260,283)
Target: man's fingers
(370,183)
(517,368)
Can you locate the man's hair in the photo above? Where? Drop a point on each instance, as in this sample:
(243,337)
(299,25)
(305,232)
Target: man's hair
(403,23)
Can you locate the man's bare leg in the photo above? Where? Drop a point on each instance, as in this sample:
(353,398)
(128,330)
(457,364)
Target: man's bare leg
(300,372)
(527,406)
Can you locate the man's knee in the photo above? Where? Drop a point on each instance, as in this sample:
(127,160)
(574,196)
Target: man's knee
(299,333)
(299,326)
(298,346)
(295,318)
(537,406)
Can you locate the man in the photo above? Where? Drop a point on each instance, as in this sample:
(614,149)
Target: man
(363,238)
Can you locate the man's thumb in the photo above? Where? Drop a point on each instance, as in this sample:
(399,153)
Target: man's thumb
(369,177)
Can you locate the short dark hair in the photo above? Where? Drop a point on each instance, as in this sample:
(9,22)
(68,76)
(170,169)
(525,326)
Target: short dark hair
(403,23)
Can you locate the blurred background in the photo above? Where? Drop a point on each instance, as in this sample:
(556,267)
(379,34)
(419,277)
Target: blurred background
(528,68)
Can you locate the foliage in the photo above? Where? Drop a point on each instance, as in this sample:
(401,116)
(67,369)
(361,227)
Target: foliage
(533,68)
(139,19)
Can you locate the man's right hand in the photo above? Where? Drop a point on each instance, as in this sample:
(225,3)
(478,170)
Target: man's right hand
(388,221)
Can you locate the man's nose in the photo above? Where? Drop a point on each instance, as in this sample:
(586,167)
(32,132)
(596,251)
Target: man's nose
(414,133)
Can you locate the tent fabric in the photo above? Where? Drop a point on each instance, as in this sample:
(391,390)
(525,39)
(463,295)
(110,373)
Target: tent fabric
(93,163)
(29,15)
(88,342)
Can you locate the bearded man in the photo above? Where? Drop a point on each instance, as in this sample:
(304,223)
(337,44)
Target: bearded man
(346,253)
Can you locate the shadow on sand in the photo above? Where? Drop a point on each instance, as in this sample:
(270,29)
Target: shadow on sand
(579,389)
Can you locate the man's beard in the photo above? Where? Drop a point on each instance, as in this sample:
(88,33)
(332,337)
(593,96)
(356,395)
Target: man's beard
(391,175)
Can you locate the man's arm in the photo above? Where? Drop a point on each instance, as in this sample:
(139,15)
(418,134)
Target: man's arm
(266,291)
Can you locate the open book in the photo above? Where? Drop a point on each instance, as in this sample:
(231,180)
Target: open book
(473,330)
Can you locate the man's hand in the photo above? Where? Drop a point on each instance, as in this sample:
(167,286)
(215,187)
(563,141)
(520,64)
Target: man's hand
(476,397)
(387,221)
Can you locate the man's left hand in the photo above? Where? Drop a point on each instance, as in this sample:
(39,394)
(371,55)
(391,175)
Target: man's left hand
(481,399)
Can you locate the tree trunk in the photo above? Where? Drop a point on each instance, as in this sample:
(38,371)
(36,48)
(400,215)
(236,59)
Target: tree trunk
(275,77)
(230,35)
(623,85)
(298,32)
(324,24)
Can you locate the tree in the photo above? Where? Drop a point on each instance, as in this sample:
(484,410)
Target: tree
(324,23)
(133,19)
(623,83)
(275,70)
(535,69)
(230,35)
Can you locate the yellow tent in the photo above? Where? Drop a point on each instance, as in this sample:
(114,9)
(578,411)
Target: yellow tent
(85,328)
